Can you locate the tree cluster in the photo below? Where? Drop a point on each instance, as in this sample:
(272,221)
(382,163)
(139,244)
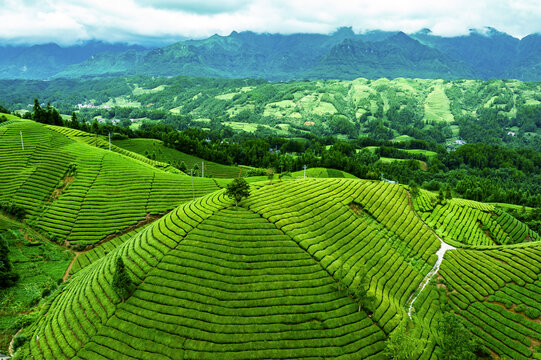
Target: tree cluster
(7,276)
(49,115)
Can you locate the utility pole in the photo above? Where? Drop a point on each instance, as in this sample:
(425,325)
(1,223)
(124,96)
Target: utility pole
(22,143)
(109,141)
(304,166)
(193,188)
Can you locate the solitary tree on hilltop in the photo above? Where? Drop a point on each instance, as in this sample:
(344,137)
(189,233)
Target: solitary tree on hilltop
(121,280)
(238,189)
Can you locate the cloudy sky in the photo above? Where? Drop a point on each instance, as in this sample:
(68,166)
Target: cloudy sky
(161,21)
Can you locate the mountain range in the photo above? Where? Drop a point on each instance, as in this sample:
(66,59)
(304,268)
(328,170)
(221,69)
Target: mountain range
(482,54)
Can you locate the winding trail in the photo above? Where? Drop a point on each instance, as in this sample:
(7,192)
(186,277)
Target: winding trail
(444,247)
(67,273)
(10,349)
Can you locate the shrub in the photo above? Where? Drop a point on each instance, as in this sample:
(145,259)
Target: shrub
(13,209)
(122,282)
(24,321)
(532,313)
(18,341)
(257,172)
(7,276)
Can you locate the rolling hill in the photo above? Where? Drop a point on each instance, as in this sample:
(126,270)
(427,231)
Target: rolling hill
(277,276)
(156,149)
(67,181)
(433,110)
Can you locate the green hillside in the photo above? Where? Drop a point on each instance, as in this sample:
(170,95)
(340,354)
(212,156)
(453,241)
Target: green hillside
(67,185)
(321,173)
(277,277)
(40,266)
(432,110)
(156,149)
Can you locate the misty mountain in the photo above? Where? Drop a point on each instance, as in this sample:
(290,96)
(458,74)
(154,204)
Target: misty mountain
(341,55)
(397,55)
(46,60)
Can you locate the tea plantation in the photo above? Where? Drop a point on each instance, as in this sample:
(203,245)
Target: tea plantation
(76,190)
(310,268)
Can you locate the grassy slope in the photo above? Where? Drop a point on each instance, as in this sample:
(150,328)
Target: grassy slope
(167,155)
(437,106)
(282,311)
(40,265)
(321,173)
(118,189)
(294,103)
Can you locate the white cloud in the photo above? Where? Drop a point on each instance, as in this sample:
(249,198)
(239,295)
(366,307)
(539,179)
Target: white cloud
(67,21)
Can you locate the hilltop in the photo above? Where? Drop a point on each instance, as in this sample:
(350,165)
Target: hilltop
(279,276)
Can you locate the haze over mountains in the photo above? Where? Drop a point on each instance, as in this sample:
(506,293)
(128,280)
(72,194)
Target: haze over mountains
(342,55)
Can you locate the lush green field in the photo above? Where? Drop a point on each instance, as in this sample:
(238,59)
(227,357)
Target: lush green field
(8,116)
(156,149)
(320,173)
(68,182)
(276,277)
(437,106)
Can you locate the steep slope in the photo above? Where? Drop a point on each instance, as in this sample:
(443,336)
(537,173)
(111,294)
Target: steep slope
(490,53)
(528,62)
(67,185)
(213,281)
(46,60)
(396,56)
(271,278)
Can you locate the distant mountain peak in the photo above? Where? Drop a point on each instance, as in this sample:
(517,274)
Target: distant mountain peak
(402,37)
(487,31)
(344,31)
(485,53)
(424,31)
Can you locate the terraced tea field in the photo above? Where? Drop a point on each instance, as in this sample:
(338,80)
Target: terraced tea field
(68,186)
(212,283)
(276,277)
(472,223)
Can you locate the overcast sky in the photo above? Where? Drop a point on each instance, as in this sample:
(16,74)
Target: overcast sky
(150,21)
